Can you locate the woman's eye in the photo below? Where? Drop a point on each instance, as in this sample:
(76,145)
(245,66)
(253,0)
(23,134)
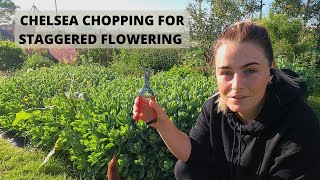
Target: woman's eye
(226,73)
(250,71)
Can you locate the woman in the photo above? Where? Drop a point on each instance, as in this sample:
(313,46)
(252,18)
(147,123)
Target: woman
(256,127)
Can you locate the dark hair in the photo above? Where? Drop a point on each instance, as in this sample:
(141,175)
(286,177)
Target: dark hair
(246,31)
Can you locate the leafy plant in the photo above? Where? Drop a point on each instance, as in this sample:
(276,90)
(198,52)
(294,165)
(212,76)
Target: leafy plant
(84,113)
(289,36)
(36,61)
(98,55)
(11,58)
(306,65)
(194,61)
(131,61)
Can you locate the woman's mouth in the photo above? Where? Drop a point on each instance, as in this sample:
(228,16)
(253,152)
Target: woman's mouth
(238,97)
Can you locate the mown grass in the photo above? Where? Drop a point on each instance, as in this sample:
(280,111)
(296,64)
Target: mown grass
(23,163)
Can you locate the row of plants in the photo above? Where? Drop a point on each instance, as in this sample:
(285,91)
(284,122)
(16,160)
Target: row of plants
(83,112)
(125,61)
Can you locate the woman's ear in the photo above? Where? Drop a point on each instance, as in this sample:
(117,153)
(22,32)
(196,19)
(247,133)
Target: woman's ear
(273,68)
(272,71)
(273,64)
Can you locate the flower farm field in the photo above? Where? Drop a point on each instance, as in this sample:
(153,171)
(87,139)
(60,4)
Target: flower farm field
(83,112)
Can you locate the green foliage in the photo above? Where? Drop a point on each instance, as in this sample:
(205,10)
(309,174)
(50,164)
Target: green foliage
(314,102)
(7,10)
(308,10)
(286,35)
(193,57)
(194,62)
(93,55)
(126,62)
(295,47)
(2,77)
(130,61)
(11,58)
(208,23)
(98,55)
(305,65)
(293,8)
(289,37)
(85,110)
(36,61)
(160,59)
(182,71)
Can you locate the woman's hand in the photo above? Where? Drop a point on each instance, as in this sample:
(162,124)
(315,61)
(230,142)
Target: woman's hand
(177,142)
(144,108)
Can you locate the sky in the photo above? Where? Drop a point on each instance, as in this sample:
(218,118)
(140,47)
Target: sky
(103,4)
(109,4)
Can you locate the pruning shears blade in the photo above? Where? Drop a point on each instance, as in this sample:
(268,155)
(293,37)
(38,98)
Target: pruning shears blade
(147,92)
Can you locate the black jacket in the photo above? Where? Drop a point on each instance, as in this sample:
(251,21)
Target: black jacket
(282,143)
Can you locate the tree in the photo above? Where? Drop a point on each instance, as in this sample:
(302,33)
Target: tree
(285,34)
(306,9)
(292,8)
(209,18)
(7,9)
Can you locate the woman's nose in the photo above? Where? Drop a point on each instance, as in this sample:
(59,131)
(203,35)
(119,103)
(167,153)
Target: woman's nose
(237,82)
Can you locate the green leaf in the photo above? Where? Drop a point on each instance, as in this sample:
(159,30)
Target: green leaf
(108,146)
(22,115)
(37,112)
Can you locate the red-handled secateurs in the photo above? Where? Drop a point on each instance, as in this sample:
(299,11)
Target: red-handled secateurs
(147,92)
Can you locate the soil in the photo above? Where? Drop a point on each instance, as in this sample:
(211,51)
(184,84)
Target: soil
(11,137)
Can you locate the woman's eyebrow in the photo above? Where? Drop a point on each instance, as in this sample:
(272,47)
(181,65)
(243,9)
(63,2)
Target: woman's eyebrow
(249,64)
(244,66)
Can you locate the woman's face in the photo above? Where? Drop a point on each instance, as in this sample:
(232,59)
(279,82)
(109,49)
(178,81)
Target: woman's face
(242,73)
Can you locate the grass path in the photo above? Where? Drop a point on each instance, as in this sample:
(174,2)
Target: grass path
(23,164)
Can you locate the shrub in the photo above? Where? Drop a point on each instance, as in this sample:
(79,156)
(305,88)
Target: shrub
(194,60)
(11,58)
(98,55)
(288,35)
(94,55)
(130,61)
(306,65)
(37,61)
(126,62)
(160,59)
